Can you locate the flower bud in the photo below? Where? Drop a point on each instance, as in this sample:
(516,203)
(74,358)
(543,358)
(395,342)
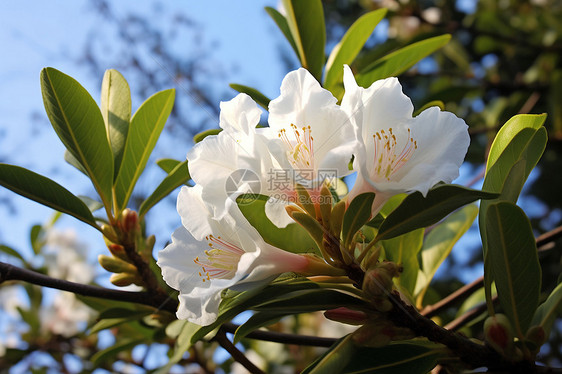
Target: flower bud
(536,336)
(499,334)
(116,265)
(125,279)
(130,220)
(109,233)
(117,251)
(348,316)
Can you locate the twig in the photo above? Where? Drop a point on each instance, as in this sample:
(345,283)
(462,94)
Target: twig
(238,356)
(457,296)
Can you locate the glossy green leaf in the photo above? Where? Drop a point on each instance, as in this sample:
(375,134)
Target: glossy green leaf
(144,130)
(257,320)
(403,250)
(311,301)
(111,352)
(281,22)
(356,216)
(349,47)
(439,243)
(515,151)
(401,60)
(78,122)
(203,134)
(92,204)
(292,238)
(183,342)
(548,311)
(305,19)
(177,177)
(512,252)
(44,191)
(417,211)
(396,358)
(116,111)
(256,95)
(11,252)
(71,160)
(167,164)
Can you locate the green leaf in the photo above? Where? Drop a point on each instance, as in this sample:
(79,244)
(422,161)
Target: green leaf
(79,124)
(116,321)
(110,353)
(11,252)
(417,211)
(281,22)
(401,60)
(167,164)
(178,176)
(256,95)
(439,243)
(92,204)
(548,311)
(70,159)
(305,19)
(437,103)
(203,134)
(183,343)
(259,319)
(311,301)
(395,358)
(144,130)
(126,312)
(292,238)
(116,112)
(513,259)
(37,238)
(403,250)
(44,191)
(349,47)
(357,214)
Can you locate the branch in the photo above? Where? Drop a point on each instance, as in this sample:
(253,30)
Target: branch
(156,300)
(238,356)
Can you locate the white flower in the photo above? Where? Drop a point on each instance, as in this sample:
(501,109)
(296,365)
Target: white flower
(66,316)
(309,140)
(65,257)
(208,255)
(396,152)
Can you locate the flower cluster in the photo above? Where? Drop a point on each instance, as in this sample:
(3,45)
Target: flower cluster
(312,142)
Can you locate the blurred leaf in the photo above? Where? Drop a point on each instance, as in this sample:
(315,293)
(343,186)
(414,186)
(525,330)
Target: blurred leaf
(37,238)
(178,176)
(292,238)
(305,19)
(349,47)
(281,22)
(110,353)
(548,311)
(256,95)
(356,215)
(167,164)
(555,98)
(396,358)
(512,252)
(438,245)
(183,342)
(257,320)
(203,134)
(144,130)
(116,321)
(78,122)
(126,312)
(11,252)
(401,60)
(116,112)
(44,191)
(417,211)
(403,250)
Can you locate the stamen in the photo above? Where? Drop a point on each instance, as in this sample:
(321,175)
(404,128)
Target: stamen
(220,261)
(387,159)
(300,145)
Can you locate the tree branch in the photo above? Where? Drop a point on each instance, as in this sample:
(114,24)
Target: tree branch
(236,354)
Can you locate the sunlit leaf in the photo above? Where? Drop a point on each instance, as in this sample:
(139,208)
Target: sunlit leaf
(403,250)
(356,215)
(349,47)
(257,320)
(78,122)
(512,252)
(203,134)
(116,111)
(167,164)
(281,22)
(183,342)
(11,252)
(178,176)
(311,301)
(305,19)
(44,191)
(548,311)
(401,60)
(144,130)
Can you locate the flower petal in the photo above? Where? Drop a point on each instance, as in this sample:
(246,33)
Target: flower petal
(240,116)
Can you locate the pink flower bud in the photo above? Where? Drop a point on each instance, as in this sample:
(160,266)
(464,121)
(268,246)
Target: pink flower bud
(348,316)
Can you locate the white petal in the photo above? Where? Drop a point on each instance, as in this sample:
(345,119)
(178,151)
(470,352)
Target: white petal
(275,211)
(240,114)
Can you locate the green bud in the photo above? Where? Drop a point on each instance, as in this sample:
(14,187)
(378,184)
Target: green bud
(109,233)
(125,279)
(116,265)
(305,201)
